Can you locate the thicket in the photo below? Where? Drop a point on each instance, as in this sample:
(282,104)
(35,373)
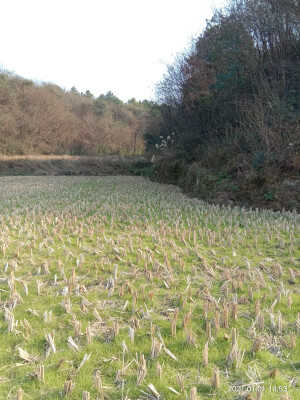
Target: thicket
(45,119)
(234,99)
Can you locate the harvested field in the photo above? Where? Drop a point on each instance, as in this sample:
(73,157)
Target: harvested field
(121,288)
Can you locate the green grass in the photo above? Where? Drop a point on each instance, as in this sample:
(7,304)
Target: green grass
(171,252)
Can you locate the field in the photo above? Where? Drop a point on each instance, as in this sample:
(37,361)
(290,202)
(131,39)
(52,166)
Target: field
(121,288)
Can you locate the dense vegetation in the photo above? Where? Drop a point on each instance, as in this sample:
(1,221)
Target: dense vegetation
(234,99)
(121,288)
(44,119)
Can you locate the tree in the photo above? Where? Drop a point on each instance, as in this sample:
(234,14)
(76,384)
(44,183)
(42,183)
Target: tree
(44,119)
(99,106)
(88,94)
(110,97)
(74,90)
(242,76)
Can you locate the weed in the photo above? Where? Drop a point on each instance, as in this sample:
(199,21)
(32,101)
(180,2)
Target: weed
(270,195)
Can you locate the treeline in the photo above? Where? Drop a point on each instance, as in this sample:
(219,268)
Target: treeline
(235,97)
(45,119)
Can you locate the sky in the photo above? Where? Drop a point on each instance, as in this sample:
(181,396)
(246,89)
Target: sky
(99,45)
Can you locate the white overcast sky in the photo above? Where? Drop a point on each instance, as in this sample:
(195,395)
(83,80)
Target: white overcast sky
(100,45)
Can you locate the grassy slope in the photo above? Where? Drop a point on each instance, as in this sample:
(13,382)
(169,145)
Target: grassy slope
(271,189)
(70,165)
(171,252)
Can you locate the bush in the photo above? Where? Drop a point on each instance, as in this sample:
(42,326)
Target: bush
(258,160)
(269,196)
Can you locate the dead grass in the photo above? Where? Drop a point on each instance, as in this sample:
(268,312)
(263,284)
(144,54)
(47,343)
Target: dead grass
(69,165)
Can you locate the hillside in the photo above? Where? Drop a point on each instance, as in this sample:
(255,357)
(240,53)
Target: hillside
(228,109)
(45,119)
